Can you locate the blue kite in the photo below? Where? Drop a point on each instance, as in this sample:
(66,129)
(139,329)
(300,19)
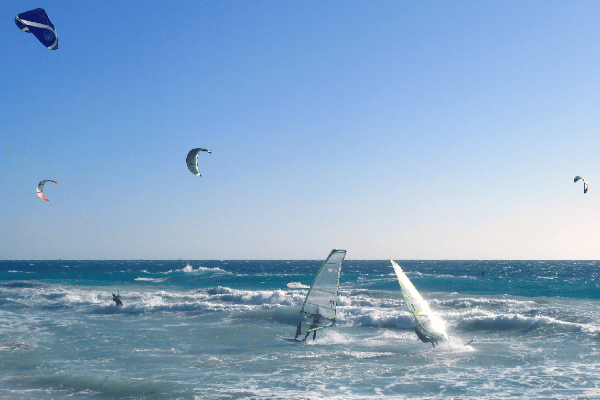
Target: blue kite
(37,22)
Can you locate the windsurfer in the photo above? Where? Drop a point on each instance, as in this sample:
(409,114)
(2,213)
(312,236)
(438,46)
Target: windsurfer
(421,336)
(298,329)
(315,324)
(324,291)
(424,338)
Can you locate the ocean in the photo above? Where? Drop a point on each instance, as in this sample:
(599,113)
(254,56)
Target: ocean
(208,330)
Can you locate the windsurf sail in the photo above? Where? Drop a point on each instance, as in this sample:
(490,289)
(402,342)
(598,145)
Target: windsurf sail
(428,327)
(318,310)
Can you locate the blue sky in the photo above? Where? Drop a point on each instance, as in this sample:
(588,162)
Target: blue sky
(391,129)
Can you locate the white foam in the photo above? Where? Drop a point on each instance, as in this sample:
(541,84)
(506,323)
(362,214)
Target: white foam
(297,285)
(150,279)
(189,269)
(330,336)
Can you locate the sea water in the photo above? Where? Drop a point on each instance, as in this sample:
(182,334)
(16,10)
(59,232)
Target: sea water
(207,330)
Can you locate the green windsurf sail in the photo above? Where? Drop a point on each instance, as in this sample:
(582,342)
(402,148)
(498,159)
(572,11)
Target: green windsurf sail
(428,327)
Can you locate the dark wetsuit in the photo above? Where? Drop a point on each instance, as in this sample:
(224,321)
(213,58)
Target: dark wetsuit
(424,338)
(314,324)
(117,300)
(298,330)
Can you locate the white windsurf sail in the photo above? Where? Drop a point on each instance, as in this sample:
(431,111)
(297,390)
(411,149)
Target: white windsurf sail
(428,327)
(318,310)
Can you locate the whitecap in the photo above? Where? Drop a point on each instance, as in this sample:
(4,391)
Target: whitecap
(297,285)
(150,279)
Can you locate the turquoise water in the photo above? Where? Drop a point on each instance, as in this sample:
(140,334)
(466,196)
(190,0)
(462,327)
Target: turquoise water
(207,330)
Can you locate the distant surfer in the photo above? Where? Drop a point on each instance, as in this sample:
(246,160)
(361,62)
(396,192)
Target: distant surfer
(117,300)
(483,273)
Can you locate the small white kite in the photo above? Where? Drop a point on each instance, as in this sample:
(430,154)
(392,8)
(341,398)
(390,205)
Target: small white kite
(40,188)
(585,184)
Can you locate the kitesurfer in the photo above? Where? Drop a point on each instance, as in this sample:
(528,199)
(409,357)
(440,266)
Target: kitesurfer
(117,299)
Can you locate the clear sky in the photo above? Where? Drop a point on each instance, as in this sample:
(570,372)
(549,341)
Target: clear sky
(391,129)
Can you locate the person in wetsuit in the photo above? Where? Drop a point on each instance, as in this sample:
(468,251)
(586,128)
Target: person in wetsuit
(314,324)
(298,329)
(424,338)
(117,300)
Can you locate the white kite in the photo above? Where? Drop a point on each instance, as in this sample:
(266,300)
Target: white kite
(40,188)
(585,184)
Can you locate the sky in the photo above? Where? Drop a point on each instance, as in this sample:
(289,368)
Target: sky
(391,129)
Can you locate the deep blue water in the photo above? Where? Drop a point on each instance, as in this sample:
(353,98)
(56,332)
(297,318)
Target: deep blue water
(572,279)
